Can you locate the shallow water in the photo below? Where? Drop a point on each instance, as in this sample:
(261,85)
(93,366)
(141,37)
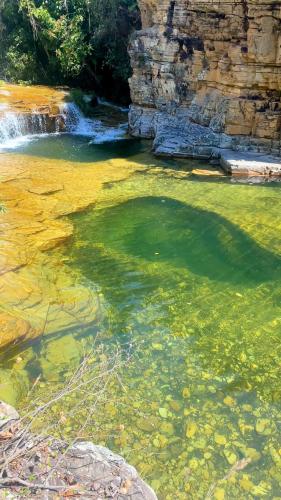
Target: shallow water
(189,271)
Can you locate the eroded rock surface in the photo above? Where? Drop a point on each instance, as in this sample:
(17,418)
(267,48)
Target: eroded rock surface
(30,110)
(207,75)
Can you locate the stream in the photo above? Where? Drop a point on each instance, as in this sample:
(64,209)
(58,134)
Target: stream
(187,269)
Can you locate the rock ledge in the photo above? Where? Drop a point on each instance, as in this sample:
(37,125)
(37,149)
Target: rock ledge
(207,75)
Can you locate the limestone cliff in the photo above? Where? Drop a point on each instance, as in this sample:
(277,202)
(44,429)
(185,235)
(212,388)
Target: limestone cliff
(207,75)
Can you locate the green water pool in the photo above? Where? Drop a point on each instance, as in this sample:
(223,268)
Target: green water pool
(189,270)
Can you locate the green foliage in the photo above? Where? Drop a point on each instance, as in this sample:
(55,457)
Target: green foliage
(66,41)
(79,97)
(21,62)
(73,50)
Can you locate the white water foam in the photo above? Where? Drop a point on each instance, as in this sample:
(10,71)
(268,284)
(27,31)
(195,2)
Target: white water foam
(15,143)
(17,129)
(110,134)
(78,124)
(5,92)
(104,102)
(11,126)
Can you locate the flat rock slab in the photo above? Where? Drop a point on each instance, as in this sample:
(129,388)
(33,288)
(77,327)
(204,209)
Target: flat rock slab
(105,473)
(250,164)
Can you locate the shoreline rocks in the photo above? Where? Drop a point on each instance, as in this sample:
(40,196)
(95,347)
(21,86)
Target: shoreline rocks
(248,163)
(52,469)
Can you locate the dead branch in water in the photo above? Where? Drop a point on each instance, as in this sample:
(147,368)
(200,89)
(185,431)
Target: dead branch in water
(237,467)
(20,448)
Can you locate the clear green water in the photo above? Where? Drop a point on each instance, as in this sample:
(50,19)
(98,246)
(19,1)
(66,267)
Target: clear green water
(190,274)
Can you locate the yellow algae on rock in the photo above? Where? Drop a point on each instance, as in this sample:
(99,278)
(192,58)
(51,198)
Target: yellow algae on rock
(229,401)
(57,233)
(33,224)
(186,392)
(263,426)
(220,439)
(219,494)
(15,328)
(31,98)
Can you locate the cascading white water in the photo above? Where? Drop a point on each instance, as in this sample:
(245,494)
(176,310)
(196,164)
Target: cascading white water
(11,126)
(77,124)
(75,121)
(16,128)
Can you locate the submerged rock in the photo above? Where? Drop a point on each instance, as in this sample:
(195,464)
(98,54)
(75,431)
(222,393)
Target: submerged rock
(59,355)
(13,385)
(15,329)
(40,293)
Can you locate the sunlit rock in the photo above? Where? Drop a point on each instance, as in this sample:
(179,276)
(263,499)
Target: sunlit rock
(30,109)
(14,329)
(7,414)
(207,75)
(250,164)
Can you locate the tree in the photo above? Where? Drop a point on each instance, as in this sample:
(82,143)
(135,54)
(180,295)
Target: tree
(66,41)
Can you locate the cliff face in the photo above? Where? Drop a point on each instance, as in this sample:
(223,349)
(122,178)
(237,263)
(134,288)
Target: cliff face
(207,75)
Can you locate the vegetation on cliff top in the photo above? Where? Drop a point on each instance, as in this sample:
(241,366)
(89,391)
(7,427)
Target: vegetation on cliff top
(77,42)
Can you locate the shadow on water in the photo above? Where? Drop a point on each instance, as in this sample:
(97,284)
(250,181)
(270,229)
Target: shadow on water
(79,149)
(165,230)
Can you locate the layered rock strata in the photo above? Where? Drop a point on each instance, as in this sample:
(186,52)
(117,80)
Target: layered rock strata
(30,110)
(207,76)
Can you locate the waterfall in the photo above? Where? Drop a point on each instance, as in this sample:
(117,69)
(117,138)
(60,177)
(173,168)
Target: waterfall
(76,123)
(17,128)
